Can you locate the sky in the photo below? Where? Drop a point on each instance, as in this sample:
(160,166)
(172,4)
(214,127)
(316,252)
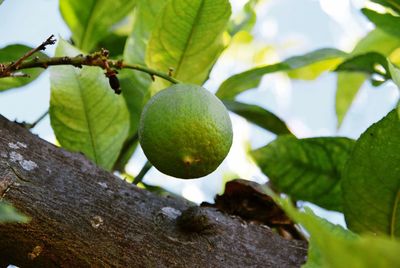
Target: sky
(284,28)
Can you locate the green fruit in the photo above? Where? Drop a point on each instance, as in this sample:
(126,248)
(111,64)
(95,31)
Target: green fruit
(185,131)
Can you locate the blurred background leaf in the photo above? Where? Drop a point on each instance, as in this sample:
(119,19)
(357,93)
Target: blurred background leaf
(348,84)
(250,79)
(13,53)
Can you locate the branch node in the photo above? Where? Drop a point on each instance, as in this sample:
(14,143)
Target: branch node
(170,71)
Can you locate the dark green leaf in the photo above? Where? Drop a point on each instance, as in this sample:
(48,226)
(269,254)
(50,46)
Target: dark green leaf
(13,53)
(334,247)
(372,63)
(306,169)
(86,115)
(9,214)
(114,43)
(350,83)
(258,116)
(241,82)
(371,180)
(188,39)
(386,22)
(91,20)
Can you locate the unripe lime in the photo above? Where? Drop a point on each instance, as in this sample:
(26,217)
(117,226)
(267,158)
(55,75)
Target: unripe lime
(185,131)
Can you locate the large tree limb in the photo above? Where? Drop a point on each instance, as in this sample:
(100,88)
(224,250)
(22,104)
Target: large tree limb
(83,216)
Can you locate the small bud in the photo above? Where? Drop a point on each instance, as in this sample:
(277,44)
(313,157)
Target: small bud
(114,84)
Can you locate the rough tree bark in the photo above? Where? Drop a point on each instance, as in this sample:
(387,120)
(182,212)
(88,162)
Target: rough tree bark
(83,216)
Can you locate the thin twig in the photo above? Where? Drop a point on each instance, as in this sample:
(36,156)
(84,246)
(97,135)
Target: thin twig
(99,59)
(15,65)
(89,60)
(38,120)
(147,166)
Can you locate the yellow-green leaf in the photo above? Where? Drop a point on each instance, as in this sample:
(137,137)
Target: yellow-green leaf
(86,115)
(187,39)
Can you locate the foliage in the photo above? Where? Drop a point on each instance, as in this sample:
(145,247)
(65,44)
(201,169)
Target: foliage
(333,246)
(315,168)
(9,214)
(85,115)
(180,41)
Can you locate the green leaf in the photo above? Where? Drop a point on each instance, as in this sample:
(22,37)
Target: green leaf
(386,22)
(13,53)
(349,84)
(371,184)
(115,44)
(85,114)
(188,39)
(258,116)
(91,20)
(306,169)
(395,73)
(9,214)
(241,82)
(334,247)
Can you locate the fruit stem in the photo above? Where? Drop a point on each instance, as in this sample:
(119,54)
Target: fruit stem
(142,172)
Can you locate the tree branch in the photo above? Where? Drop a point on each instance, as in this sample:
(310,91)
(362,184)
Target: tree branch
(83,216)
